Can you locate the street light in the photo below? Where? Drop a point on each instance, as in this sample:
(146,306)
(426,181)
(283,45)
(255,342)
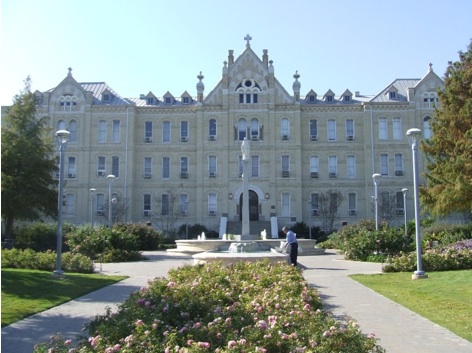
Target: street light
(309,217)
(62,137)
(375,178)
(404,191)
(110,178)
(414,136)
(92,193)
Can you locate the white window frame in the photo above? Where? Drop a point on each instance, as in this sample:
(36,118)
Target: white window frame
(331,130)
(397,128)
(314,164)
(116,129)
(285,204)
(166,131)
(147,166)
(351,167)
(115,166)
(212,203)
(333,164)
(165,167)
(254,166)
(73,131)
(383,129)
(384,170)
(102,131)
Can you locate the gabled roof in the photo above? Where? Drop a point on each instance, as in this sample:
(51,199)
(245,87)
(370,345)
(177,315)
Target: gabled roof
(401,85)
(97,88)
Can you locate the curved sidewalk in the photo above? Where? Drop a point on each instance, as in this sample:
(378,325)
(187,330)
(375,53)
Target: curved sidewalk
(398,329)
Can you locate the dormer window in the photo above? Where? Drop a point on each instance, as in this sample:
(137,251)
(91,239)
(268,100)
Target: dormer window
(168,100)
(347,98)
(186,100)
(311,98)
(106,97)
(150,100)
(392,95)
(329,98)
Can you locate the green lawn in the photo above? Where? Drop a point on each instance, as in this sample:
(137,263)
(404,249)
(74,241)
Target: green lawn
(444,297)
(26,292)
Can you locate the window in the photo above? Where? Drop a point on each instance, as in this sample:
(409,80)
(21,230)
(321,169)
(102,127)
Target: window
(165,167)
(352,203)
(184,131)
(383,129)
(242,129)
(115,166)
(166,131)
(430,100)
(255,166)
(71,167)
(212,204)
(385,204)
(248,92)
(100,204)
(427,133)
(183,204)
(314,164)
(351,167)
(315,203)
(147,167)
(400,202)
(73,131)
(165,205)
(384,164)
(332,166)
(329,98)
(311,98)
(397,129)
(212,166)
(392,95)
(285,128)
(350,129)
(186,100)
(331,130)
(313,129)
(105,97)
(102,131)
(116,131)
(70,204)
(146,203)
(68,103)
(254,129)
(212,127)
(183,165)
(398,164)
(346,98)
(285,204)
(148,131)
(150,100)
(61,125)
(285,163)
(101,167)
(168,100)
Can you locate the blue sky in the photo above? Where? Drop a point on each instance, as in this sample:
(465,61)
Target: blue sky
(137,46)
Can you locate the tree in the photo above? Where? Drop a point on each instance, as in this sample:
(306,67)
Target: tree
(449,151)
(29,191)
(328,204)
(169,211)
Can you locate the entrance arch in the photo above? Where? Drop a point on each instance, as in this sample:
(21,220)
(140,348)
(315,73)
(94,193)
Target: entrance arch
(253,206)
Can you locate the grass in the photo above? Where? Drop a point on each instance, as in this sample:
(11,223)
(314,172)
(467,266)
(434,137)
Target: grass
(27,292)
(444,297)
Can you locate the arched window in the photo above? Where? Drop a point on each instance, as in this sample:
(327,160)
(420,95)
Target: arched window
(427,134)
(285,129)
(68,103)
(212,129)
(254,129)
(61,125)
(73,131)
(248,91)
(242,129)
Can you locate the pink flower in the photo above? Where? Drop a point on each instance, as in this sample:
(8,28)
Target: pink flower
(171,284)
(231,344)
(67,342)
(326,334)
(262,325)
(306,307)
(139,323)
(313,344)
(277,306)
(242,341)
(189,342)
(371,335)
(203,344)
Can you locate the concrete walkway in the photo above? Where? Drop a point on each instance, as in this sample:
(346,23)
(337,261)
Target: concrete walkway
(398,329)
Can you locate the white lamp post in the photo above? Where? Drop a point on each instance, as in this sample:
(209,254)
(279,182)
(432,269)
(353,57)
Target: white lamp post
(246,155)
(62,137)
(92,194)
(110,178)
(404,192)
(375,178)
(414,136)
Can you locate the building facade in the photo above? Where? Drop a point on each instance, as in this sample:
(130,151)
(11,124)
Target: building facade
(178,159)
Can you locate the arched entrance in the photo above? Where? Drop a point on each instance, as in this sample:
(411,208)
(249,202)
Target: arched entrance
(253,206)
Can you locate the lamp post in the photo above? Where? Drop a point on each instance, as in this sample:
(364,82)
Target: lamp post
(92,193)
(186,222)
(375,178)
(62,137)
(404,191)
(246,155)
(110,178)
(309,217)
(414,136)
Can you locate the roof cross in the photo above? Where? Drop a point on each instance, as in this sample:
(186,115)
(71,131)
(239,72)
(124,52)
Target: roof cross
(248,38)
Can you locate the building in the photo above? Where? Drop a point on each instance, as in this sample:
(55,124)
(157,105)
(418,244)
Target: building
(177,159)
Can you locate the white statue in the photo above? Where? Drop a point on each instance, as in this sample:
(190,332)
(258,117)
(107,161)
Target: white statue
(246,148)
(264,235)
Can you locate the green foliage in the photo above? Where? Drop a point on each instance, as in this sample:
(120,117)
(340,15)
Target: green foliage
(446,234)
(46,261)
(122,242)
(212,308)
(449,151)
(441,259)
(28,162)
(40,236)
(362,242)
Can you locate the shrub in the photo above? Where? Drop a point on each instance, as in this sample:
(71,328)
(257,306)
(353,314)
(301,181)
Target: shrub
(40,236)
(457,256)
(46,261)
(246,307)
(446,234)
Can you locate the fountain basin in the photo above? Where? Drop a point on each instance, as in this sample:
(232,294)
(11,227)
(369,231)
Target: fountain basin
(227,257)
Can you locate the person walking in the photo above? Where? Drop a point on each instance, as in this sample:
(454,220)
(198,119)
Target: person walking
(292,241)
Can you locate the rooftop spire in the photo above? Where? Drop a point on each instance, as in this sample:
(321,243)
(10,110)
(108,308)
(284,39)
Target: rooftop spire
(247,39)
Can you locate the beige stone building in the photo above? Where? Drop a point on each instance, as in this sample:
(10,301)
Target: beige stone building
(177,159)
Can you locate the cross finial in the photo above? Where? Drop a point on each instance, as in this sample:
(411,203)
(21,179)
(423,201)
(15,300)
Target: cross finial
(247,39)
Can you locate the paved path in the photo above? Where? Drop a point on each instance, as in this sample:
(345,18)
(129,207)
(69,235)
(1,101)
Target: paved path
(399,330)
